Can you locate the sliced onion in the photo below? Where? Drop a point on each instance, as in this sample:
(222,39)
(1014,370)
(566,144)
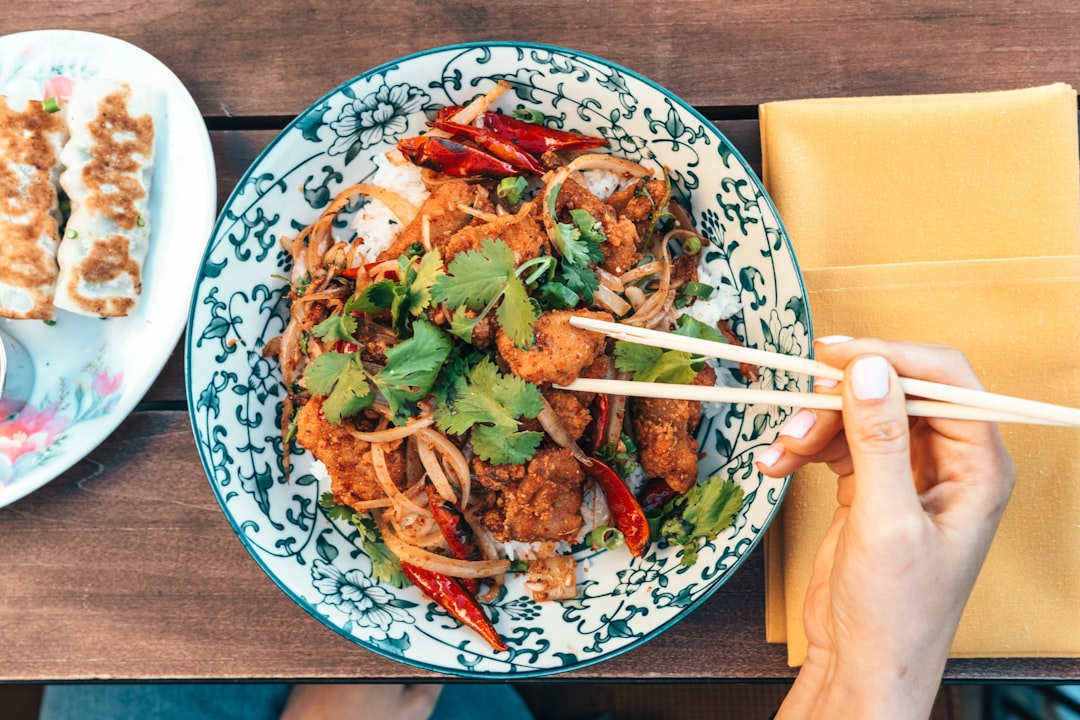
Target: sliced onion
(641,271)
(458,464)
(393,434)
(610,301)
(440,563)
(636,296)
(655,304)
(472,111)
(611,282)
(434,470)
(554,427)
(382,475)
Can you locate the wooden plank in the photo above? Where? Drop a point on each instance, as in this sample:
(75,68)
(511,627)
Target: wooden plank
(125,567)
(712,54)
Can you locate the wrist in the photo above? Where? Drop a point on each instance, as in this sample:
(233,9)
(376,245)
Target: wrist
(826,689)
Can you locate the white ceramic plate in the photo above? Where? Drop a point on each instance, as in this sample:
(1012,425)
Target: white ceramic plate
(90,373)
(235,393)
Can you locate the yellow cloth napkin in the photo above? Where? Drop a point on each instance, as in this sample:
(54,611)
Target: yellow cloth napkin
(953,219)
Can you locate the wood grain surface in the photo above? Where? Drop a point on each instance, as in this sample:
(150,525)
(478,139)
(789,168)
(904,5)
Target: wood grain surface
(125,567)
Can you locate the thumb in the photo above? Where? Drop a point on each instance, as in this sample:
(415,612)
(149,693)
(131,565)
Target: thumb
(876,428)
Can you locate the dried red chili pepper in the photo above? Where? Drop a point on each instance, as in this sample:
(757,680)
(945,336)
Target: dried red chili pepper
(457,531)
(453,158)
(625,510)
(452,596)
(530,137)
(537,139)
(497,146)
(601,409)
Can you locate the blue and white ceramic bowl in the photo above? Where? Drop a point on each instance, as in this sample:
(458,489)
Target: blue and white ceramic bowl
(235,393)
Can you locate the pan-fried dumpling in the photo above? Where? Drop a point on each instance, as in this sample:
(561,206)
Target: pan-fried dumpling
(108,164)
(30,144)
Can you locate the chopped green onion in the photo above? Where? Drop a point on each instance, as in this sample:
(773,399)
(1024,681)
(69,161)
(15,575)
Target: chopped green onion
(528,115)
(72,234)
(605,537)
(50,105)
(50,323)
(691,245)
(519,566)
(697,289)
(510,189)
(140,222)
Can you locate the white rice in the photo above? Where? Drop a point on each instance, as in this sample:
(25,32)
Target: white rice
(724,303)
(375,223)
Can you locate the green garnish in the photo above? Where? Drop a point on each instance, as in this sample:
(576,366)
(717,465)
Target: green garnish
(705,511)
(490,404)
(385,566)
(405,298)
(511,188)
(699,290)
(652,364)
(691,245)
(72,234)
(477,280)
(605,537)
(50,105)
(528,115)
(411,369)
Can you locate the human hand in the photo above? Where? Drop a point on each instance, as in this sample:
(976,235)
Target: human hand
(369,701)
(919,503)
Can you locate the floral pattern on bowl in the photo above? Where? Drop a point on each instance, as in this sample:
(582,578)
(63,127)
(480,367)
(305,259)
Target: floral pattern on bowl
(235,396)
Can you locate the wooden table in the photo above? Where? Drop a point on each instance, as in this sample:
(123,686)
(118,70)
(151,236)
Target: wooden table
(125,567)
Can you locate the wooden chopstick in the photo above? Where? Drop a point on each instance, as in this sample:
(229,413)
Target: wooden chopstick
(964,403)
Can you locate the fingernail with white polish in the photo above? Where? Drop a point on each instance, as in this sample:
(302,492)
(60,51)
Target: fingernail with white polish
(770,455)
(833,339)
(823,382)
(870,378)
(799,424)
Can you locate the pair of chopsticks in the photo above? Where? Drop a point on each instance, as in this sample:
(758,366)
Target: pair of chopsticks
(938,400)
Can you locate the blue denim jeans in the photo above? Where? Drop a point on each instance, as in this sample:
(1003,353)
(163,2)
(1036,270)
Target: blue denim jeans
(249,701)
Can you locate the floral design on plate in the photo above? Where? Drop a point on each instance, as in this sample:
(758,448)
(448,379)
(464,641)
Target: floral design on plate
(75,405)
(236,408)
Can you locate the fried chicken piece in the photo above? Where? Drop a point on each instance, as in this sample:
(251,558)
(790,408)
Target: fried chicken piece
(560,351)
(444,213)
(523,231)
(347,459)
(537,502)
(664,432)
(573,415)
(621,248)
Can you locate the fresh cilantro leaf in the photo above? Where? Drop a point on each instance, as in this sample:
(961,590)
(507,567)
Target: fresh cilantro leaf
(339,326)
(485,395)
(516,314)
(385,567)
(411,368)
(376,297)
(490,404)
(502,448)
(579,241)
(427,272)
(705,511)
(475,277)
(581,280)
(478,279)
(692,327)
(556,296)
(405,299)
(651,364)
(341,378)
